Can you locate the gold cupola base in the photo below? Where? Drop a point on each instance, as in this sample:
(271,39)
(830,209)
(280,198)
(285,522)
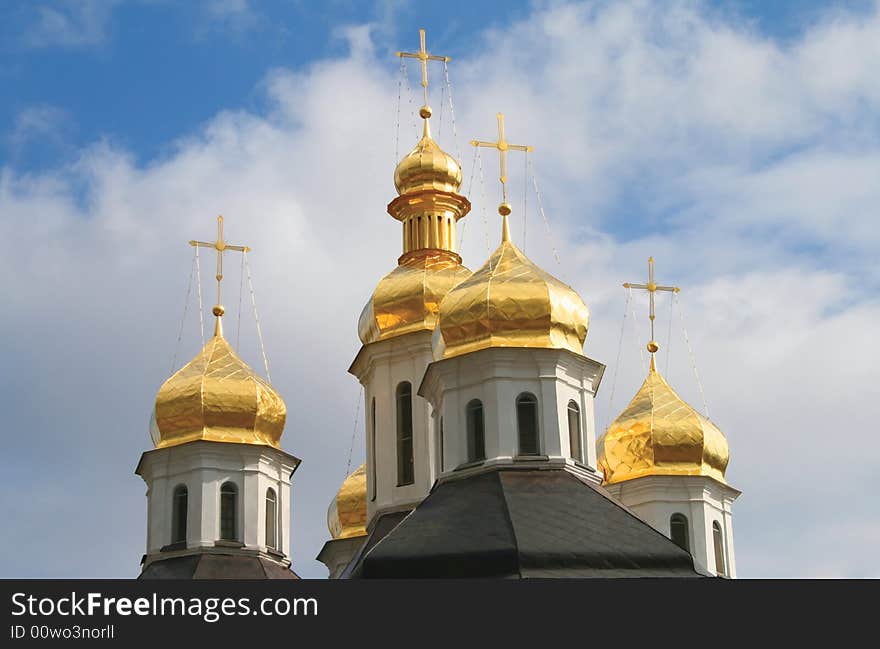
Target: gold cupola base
(217,397)
(510,302)
(658,433)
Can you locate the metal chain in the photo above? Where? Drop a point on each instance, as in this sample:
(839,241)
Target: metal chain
(483,194)
(409,92)
(669,337)
(201,307)
(451,111)
(440,119)
(397,130)
(541,210)
(617,364)
(192,270)
(691,352)
(636,332)
(257,317)
(357,415)
(238,325)
(470,187)
(525,200)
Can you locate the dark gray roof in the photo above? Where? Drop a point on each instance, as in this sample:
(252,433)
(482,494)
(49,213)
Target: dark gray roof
(216,566)
(521,523)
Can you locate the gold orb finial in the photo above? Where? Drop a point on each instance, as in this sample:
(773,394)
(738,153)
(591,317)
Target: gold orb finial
(504,209)
(425,112)
(653,347)
(218,310)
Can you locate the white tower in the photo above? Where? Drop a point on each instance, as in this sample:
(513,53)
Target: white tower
(510,384)
(666,462)
(396,325)
(218,483)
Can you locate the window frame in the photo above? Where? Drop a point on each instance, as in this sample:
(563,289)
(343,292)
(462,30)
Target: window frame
(719,550)
(575,440)
(230,490)
(680,519)
(532,400)
(475,435)
(179,507)
(403,398)
(272,515)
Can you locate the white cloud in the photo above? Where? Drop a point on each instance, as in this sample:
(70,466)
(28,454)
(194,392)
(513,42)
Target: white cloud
(728,156)
(70,24)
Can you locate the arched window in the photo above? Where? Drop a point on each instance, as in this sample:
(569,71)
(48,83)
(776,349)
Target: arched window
(178,514)
(404,434)
(678,531)
(373,448)
(228,502)
(476,433)
(574,432)
(271,519)
(719,549)
(442,441)
(527,423)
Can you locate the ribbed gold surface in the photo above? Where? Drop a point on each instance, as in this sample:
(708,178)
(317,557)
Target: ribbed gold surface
(427,167)
(659,434)
(408,298)
(347,515)
(218,397)
(511,302)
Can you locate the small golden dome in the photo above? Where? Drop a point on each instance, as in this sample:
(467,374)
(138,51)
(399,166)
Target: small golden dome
(408,298)
(427,167)
(219,398)
(659,434)
(510,302)
(347,515)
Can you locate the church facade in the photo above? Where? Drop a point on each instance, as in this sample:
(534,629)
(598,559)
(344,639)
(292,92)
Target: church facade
(482,454)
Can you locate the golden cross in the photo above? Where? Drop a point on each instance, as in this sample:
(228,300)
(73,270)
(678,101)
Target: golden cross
(220,246)
(652,288)
(423,56)
(503,147)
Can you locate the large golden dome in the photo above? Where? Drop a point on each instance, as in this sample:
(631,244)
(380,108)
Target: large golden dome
(408,298)
(510,302)
(659,434)
(427,167)
(219,398)
(347,515)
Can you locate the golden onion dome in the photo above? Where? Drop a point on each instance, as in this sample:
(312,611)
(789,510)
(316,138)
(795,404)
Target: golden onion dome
(347,515)
(408,298)
(659,434)
(510,302)
(427,167)
(217,397)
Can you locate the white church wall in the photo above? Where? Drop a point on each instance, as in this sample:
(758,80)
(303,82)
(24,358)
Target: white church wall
(702,500)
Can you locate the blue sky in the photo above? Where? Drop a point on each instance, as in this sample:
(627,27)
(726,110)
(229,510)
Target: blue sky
(737,142)
(143,73)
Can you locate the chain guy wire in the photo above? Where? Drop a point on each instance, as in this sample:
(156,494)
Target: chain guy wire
(357,416)
(693,358)
(192,271)
(525,198)
(451,110)
(610,408)
(440,119)
(669,336)
(543,213)
(636,332)
(257,317)
(409,92)
(483,195)
(238,325)
(470,186)
(397,128)
(201,307)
